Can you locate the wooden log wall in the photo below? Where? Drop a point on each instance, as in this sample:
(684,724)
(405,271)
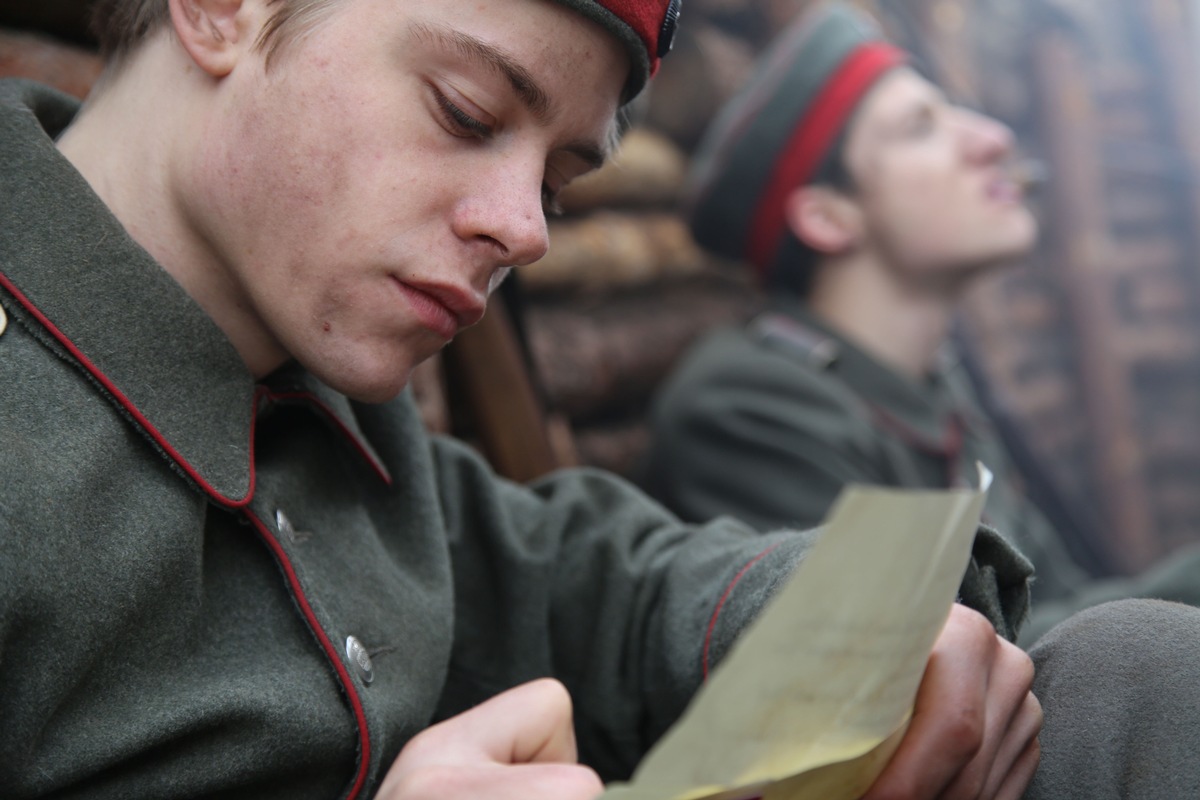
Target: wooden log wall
(621,294)
(1095,343)
(1092,345)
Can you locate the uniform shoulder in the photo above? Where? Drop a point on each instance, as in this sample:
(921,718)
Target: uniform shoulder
(761,357)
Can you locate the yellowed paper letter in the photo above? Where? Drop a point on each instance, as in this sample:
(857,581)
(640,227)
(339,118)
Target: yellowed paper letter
(814,698)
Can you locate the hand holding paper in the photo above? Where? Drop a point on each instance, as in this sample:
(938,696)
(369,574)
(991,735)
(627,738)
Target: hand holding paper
(815,697)
(974,728)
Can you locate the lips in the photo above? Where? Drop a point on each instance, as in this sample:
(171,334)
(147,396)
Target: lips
(1005,190)
(443,309)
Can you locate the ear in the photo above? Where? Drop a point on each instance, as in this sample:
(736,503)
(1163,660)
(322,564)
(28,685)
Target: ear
(823,218)
(211,32)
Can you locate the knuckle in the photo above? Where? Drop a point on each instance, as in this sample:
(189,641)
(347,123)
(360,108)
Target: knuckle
(967,618)
(1017,663)
(554,691)
(554,699)
(977,632)
(1034,705)
(986,637)
(1033,708)
(967,631)
(965,731)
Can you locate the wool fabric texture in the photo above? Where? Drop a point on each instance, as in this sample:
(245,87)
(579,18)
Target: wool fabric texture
(779,128)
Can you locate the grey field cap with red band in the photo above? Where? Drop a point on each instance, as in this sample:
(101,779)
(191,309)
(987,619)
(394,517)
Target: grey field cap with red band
(777,130)
(646,28)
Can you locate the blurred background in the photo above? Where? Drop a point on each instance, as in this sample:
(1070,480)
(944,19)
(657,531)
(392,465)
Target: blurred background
(1092,347)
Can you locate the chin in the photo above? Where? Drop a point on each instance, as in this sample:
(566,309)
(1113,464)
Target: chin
(377,384)
(376,394)
(1014,243)
(1024,233)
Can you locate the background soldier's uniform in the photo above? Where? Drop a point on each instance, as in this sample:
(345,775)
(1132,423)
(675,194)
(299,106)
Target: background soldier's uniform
(768,423)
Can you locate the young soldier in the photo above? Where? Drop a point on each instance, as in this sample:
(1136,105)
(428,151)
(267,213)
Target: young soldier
(232,564)
(868,204)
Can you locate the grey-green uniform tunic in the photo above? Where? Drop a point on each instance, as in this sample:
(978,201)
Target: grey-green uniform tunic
(212,587)
(769,422)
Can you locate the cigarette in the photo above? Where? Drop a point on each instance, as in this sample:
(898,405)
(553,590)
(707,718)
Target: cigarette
(1028,173)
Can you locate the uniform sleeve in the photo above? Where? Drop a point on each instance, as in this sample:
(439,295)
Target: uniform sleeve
(746,431)
(1176,578)
(582,577)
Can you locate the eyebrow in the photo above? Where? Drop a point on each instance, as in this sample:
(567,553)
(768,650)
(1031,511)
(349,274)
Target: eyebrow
(526,87)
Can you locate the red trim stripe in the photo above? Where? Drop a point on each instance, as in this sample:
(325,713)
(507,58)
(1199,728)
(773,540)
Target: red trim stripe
(712,623)
(280,555)
(128,405)
(950,448)
(810,142)
(331,652)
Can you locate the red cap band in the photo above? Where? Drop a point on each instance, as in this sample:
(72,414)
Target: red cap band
(811,141)
(646,28)
(653,22)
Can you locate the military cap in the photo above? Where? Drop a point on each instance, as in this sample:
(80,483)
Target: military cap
(776,132)
(645,27)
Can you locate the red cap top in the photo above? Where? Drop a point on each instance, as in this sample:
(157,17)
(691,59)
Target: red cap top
(645,27)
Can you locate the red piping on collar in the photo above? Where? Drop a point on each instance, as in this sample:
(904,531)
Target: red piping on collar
(331,653)
(309,397)
(811,141)
(133,411)
(949,449)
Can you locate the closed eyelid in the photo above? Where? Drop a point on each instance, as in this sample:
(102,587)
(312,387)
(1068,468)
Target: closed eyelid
(462,117)
(523,84)
(593,153)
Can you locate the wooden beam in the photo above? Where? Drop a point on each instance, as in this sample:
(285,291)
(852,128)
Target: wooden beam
(486,363)
(1083,248)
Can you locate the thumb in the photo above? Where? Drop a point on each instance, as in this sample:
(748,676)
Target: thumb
(531,723)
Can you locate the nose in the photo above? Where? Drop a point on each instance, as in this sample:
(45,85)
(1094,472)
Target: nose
(985,140)
(503,214)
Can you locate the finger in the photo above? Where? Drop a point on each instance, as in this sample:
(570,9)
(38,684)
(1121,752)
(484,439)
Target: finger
(1021,774)
(495,782)
(949,714)
(1012,719)
(1021,737)
(530,723)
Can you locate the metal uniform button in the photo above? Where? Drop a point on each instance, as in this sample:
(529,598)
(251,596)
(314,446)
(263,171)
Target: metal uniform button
(360,658)
(284,525)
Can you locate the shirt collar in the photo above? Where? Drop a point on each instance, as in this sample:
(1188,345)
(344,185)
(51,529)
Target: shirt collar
(928,407)
(73,269)
(293,384)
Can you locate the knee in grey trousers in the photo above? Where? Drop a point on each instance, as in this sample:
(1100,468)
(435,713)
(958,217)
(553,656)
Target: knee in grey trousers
(1120,688)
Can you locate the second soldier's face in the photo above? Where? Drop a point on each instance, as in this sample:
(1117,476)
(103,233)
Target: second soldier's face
(937,201)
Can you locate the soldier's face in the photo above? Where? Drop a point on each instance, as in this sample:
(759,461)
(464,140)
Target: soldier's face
(936,198)
(365,194)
